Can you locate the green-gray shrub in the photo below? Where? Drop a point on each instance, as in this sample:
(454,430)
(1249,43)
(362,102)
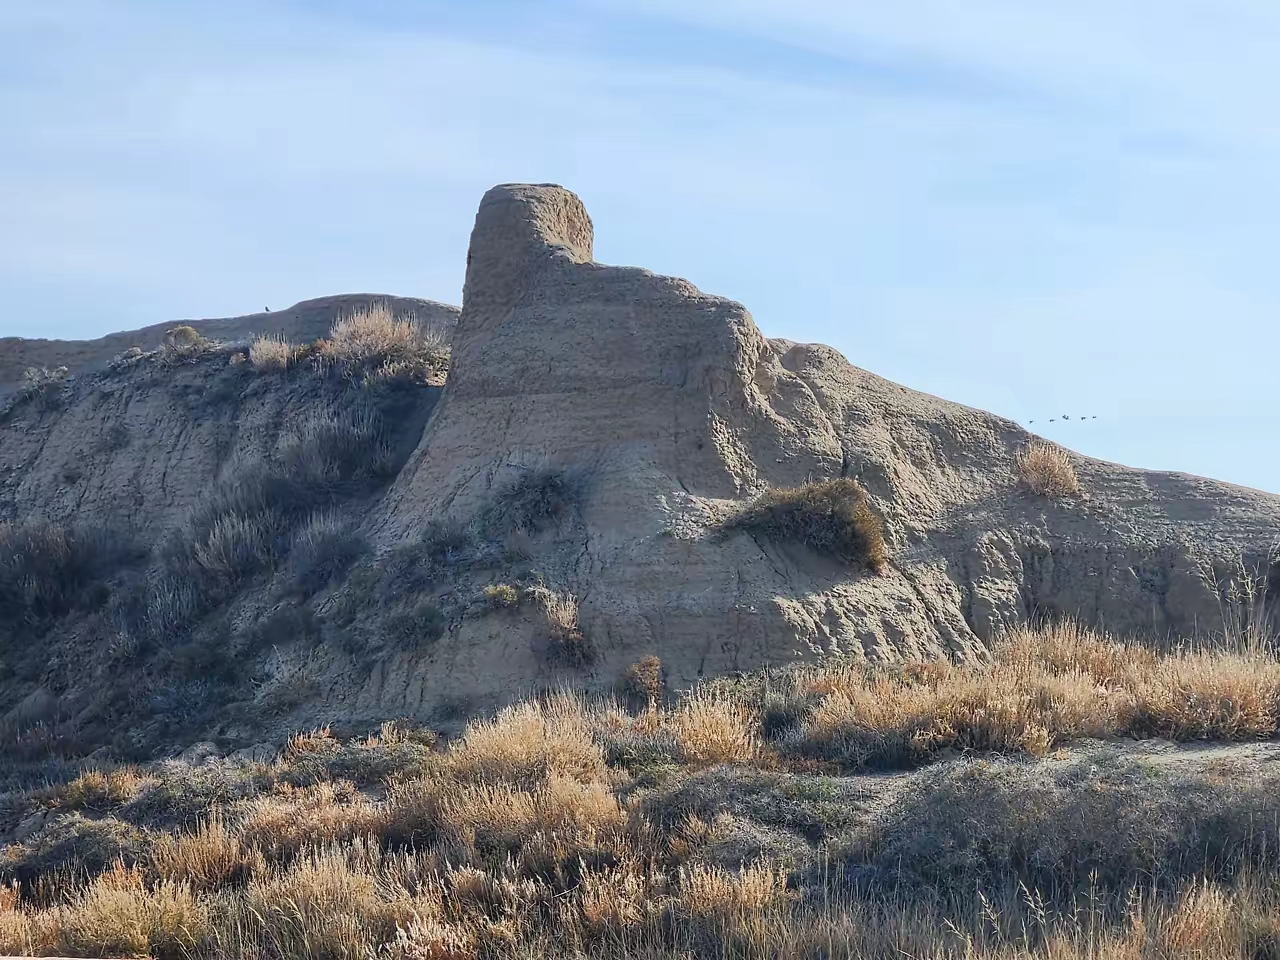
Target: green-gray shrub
(323,549)
(47,569)
(1104,823)
(535,500)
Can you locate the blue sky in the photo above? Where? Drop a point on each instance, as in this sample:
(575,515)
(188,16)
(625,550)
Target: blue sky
(1034,208)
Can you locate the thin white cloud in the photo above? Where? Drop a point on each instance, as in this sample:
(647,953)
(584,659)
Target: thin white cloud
(1191,65)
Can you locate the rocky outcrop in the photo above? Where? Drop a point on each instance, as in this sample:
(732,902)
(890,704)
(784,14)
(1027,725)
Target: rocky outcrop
(139,446)
(663,410)
(672,407)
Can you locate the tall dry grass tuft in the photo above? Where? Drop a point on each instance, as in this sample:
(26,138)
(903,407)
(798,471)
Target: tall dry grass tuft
(713,727)
(430,938)
(121,915)
(325,905)
(713,892)
(528,743)
(17,936)
(104,789)
(1249,608)
(1046,469)
(374,342)
(292,820)
(272,353)
(500,819)
(372,332)
(567,643)
(211,856)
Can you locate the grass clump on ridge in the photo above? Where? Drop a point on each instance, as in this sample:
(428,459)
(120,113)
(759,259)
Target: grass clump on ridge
(831,517)
(371,344)
(567,828)
(37,380)
(272,353)
(183,343)
(374,342)
(1046,469)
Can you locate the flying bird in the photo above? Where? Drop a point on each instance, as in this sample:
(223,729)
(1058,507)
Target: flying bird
(1065,417)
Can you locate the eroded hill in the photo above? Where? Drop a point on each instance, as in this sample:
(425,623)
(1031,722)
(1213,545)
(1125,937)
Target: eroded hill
(205,542)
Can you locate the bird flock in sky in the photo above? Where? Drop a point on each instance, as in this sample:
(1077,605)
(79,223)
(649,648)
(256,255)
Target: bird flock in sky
(1067,417)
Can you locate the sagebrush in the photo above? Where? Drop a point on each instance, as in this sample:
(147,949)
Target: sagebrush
(48,569)
(832,517)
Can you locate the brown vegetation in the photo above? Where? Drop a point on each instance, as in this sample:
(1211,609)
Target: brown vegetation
(567,643)
(832,517)
(710,828)
(501,595)
(1044,687)
(39,380)
(1046,469)
(374,342)
(370,344)
(272,353)
(644,678)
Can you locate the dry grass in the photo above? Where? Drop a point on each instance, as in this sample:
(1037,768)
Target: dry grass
(211,856)
(712,727)
(644,679)
(104,790)
(1046,469)
(273,353)
(372,332)
(47,569)
(832,517)
(121,914)
(1043,687)
(535,834)
(1249,608)
(528,743)
(374,342)
(39,380)
(234,547)
(566,641)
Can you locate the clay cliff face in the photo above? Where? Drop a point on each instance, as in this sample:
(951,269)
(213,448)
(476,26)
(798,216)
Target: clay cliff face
(665,410)
(673,407)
